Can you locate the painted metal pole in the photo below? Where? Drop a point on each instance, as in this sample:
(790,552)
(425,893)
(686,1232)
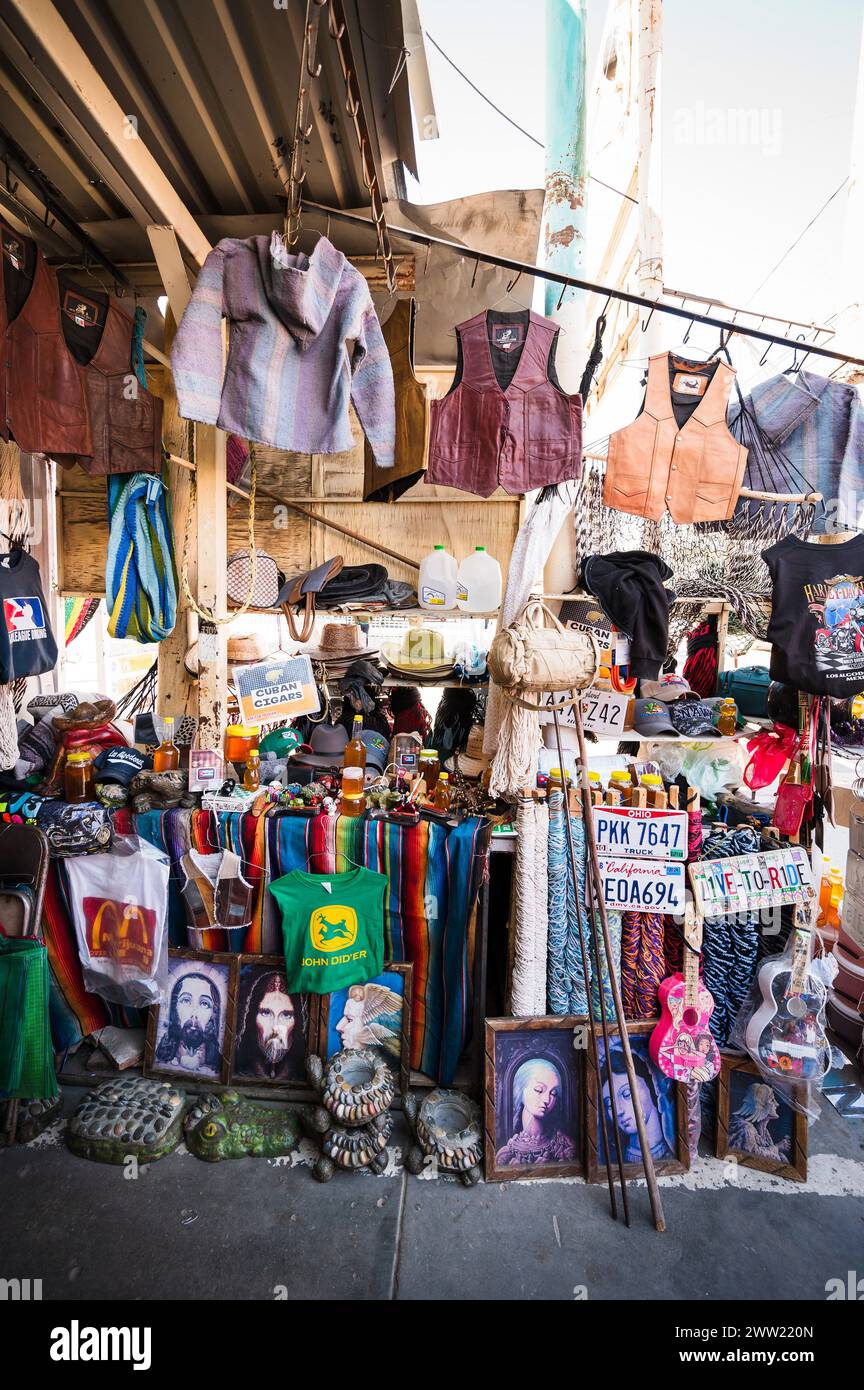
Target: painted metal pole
(649,167)
(851,321)
(564,221)
(564,207)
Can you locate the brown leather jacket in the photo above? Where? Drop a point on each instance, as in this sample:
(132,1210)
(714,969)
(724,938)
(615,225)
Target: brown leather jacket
(42,391)
(412,414)
(125,418)
(503,427)
(694,469)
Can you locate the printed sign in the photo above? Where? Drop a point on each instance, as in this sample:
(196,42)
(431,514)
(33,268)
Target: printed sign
(25,619)
(274,690)
(640,833)
(634,885)
(603,712)
(747,882)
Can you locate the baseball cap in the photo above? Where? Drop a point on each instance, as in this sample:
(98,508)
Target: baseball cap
(651,717)
(377,749)
(669,687)
(119,764)
(327,746)
(692,717)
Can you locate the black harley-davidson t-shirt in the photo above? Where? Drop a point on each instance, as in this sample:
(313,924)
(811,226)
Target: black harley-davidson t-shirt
(27,646)
(817,615)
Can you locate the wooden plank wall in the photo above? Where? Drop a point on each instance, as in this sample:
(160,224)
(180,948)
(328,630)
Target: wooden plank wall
(426,515)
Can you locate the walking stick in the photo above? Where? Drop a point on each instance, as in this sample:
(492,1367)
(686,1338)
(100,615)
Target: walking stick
(591,841)
(595,1048)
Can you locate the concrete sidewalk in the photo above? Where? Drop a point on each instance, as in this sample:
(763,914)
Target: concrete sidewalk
(260,1229)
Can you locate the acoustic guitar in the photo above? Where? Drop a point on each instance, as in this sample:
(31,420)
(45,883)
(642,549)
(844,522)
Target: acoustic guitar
(787,1031)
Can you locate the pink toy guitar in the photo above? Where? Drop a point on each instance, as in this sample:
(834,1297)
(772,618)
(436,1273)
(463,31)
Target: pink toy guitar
(787,1031)
(681,1044)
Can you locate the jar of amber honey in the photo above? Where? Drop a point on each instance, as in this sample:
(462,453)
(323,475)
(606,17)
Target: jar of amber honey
(240,739)
(78,783)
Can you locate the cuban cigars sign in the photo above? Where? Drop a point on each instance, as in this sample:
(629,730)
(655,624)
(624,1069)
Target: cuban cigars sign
(274,690)
(647,885)
(640,833)
(749,881)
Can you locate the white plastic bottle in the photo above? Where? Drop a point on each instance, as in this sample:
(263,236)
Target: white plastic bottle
(438,580)
(479,582)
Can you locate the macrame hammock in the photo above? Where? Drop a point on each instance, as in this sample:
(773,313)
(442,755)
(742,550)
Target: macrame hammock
(720,560)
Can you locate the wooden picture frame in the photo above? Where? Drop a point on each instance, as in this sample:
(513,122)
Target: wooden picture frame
(731,1088)
(243,1040)
(512,1043)
(217,966)
(668,1101)
(402,1071)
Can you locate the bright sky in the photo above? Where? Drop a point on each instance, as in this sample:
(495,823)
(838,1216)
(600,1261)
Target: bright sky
(730,209)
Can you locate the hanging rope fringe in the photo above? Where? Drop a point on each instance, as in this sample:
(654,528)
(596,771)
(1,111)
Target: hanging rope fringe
(15,519)
(566,985)
(8,729)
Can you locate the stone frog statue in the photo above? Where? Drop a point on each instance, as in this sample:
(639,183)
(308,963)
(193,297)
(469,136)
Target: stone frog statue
(226,1125)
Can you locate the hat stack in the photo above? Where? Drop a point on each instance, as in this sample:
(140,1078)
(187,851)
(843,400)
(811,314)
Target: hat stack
(340,646)
(472,762)
(421,655)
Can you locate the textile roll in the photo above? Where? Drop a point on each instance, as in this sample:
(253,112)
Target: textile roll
(522,981)
(567,987)
(541,904)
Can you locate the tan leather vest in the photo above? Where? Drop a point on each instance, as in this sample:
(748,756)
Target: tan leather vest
(694,471)
(412,414)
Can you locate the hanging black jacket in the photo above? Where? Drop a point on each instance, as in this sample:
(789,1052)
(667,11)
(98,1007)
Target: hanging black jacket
(629,587)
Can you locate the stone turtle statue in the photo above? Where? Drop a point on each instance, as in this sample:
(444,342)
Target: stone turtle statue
(448,1129)
(353,1120)
(134,1115)
(224,1124)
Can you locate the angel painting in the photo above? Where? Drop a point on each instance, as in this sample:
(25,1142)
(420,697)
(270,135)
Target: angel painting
(371,1015)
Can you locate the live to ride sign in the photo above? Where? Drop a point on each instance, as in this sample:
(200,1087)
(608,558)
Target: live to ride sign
(640,833)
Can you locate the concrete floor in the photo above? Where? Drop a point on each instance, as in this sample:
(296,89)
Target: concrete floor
(255,1229)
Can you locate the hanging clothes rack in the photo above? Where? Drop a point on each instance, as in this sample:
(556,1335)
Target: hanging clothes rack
(725,326)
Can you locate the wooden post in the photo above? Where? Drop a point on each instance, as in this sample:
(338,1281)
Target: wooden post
(212,564)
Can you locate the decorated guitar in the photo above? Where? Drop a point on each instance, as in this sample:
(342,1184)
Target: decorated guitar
(787,1031)
(681,1045)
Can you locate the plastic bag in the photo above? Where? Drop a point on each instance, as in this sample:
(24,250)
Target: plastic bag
(710,771)
(119,904)
(781,1023)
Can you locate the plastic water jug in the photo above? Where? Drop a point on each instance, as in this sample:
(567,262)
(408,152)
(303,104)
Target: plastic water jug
(438,580)
(479,582)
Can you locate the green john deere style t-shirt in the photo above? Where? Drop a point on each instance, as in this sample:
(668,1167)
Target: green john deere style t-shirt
(333,928)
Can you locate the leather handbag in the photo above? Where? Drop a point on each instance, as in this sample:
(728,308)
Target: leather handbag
(537,655)
(302,589)
(268,579)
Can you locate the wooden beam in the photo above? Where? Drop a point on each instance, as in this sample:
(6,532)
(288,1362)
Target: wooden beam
(172,270)
(212,545)
(53,37)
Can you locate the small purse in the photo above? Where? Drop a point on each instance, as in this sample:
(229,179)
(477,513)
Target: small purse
(302,589)
(268,579)
(536,655)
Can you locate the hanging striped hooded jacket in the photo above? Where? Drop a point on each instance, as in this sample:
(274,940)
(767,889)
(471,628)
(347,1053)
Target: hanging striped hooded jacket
(304,339)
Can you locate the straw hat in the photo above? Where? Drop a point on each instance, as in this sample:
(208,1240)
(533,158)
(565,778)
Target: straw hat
(341,644)
(421,653)
(471,763)
(244,649)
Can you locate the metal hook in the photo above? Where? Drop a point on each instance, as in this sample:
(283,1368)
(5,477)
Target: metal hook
(514,282)
(336,29)
(564,289)
(764,358)
(645,322)
(312,52)
(476,265)
(686,337)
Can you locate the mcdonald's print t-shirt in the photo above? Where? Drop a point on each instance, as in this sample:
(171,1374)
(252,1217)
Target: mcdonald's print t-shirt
(333,928)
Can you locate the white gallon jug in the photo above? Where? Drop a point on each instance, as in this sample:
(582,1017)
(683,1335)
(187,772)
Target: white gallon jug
(438,580)
(479,582)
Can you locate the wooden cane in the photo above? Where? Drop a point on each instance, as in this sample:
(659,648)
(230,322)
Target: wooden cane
(591,841)
(601,1108)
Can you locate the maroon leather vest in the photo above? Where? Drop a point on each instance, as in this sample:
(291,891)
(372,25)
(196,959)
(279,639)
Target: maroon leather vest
(125,418)
(527,434)
(43,404)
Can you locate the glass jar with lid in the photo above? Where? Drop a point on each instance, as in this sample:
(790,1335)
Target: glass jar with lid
(78,781)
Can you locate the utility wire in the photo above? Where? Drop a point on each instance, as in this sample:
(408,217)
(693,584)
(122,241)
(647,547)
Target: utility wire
(799,238)
(509,119)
